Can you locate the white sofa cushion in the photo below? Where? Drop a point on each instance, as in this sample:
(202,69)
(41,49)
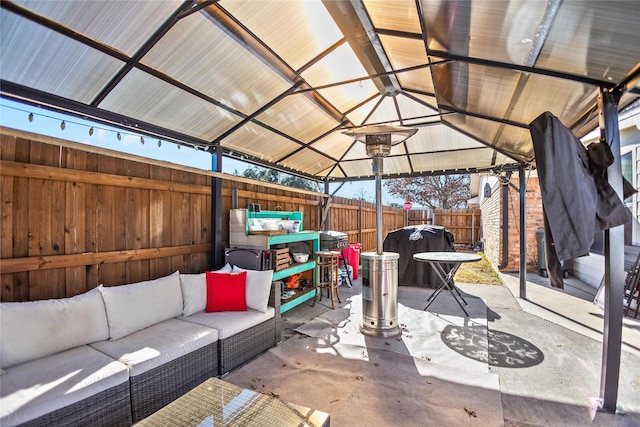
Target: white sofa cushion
(34,329)
(138,305)
(35,388)
(194,291)
(258,288)
(158,344)
(229,323)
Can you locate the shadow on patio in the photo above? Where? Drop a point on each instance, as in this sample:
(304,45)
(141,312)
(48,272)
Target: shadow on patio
(435,373)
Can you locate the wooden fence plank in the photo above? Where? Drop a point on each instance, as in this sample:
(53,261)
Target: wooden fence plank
(6,232)
(8,168)
(41,263)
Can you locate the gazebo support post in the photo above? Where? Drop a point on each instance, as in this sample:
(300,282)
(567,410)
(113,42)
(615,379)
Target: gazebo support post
(522,185)
(614,263)
(216,208)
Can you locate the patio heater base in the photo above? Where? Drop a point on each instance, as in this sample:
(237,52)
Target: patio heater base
(380,294)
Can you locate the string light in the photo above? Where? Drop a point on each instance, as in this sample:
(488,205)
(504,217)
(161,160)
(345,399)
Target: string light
(92,129)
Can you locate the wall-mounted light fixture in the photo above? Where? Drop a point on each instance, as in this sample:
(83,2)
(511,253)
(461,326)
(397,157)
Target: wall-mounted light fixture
(487,190)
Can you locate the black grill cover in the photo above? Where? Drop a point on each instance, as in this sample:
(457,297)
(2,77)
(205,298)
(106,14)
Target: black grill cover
(414,273)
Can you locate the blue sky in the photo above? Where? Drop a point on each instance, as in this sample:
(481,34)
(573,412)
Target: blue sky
(16,115)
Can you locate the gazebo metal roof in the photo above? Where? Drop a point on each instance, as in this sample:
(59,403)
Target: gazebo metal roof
(278,82)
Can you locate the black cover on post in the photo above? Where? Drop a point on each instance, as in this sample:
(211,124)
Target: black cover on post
(576,203)
(433,239)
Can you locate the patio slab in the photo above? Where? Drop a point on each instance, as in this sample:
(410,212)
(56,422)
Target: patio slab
(560,388)
(429,375)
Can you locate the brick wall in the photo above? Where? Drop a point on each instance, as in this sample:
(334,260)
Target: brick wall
(492,224)
(491,228)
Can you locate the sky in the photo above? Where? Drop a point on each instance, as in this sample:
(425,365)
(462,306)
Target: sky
(45,122)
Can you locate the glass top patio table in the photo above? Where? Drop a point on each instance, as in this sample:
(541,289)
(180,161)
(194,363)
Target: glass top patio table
(219,403)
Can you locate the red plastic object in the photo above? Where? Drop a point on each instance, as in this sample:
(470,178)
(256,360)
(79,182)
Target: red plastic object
(352,253)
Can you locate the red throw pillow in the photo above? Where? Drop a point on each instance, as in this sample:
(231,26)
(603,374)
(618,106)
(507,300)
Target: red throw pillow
(226,291)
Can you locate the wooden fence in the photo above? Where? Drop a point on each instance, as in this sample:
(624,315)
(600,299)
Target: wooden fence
(76,216)
(73,219)
(464,224)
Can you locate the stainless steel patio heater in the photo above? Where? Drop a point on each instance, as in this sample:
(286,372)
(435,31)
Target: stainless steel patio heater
(380,269)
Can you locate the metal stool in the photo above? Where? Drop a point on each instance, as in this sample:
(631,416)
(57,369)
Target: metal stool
(327,275)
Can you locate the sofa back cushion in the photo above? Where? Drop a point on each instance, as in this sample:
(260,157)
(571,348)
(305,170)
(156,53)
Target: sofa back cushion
(194,291)
(258,288)
(35,329)
(136,306)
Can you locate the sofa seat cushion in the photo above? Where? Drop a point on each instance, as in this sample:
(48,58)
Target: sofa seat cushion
(157,344)
(38,387)
(229,323)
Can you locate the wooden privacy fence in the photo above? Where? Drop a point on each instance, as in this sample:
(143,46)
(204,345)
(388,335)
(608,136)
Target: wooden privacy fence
(464,224)
(358,220)
(73,219)
(76,216)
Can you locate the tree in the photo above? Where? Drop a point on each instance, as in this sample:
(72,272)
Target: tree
(297,182)
(273,176)
(362,195)
(262,174)
(436,192)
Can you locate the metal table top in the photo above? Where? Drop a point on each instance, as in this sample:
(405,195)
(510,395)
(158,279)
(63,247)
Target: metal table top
(447,257)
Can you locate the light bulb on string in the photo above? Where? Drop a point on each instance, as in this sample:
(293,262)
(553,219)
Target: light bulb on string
(159,143)
(63,125)
(178,146)
(91,131)
(119,136)
(30,117)
(142,140)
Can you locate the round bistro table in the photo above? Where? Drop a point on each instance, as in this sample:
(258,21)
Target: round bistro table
(438,260)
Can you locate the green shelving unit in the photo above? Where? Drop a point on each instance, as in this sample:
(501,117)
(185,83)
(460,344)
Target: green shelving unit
(240,236)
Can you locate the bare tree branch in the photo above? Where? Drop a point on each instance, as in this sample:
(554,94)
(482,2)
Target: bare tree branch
(436,192)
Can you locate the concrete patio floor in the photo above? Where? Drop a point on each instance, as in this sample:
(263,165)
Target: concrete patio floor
(566,327)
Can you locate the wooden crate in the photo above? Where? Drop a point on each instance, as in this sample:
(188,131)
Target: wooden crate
(280,259)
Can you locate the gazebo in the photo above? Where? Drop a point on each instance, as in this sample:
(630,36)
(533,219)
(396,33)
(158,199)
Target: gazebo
(280,84)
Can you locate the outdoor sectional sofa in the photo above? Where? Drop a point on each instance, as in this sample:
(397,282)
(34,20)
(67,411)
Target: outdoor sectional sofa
(114,355)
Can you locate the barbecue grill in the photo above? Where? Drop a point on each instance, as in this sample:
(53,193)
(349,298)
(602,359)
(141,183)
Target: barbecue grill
(336,241)
(333,240)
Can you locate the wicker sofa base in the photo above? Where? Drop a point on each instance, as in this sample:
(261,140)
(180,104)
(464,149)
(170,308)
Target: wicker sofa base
(108,408)
(244,346)
(160,386)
